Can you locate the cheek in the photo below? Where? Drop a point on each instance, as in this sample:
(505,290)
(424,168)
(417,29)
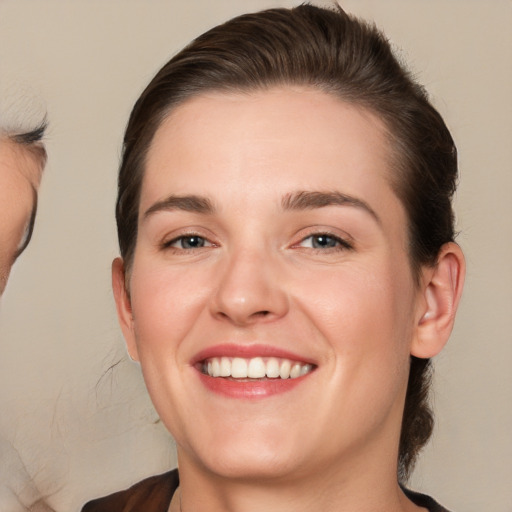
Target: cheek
(13,222)
(14,216)
(365,316)
(166,303)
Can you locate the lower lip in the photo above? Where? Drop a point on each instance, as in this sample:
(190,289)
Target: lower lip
(250,389)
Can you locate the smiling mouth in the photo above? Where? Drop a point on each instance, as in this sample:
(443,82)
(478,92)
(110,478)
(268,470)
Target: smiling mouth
(254,368)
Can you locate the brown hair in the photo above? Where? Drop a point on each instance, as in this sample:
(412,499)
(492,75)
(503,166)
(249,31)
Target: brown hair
(350,59)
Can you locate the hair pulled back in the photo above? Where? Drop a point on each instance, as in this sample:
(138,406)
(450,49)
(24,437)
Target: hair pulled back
(341,55)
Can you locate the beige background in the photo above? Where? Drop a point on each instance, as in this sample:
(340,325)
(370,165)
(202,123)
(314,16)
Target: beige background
(82,430)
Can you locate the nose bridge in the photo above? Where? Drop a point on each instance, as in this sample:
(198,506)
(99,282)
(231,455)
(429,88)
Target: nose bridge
(249,288)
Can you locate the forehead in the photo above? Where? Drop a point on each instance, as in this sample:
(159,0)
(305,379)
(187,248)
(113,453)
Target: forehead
(285,136)
(298,125)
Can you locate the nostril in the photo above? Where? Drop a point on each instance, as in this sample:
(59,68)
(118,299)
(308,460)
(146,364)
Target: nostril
(261,313)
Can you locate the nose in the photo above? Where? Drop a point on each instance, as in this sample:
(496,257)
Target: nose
(250,289)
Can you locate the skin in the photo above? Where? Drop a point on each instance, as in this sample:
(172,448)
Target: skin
(350,306)
(20,176)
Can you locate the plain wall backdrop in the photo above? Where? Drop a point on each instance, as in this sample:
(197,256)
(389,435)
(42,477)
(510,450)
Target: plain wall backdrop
(83,429)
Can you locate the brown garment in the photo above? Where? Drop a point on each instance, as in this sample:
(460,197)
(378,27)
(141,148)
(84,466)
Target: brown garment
(154,495)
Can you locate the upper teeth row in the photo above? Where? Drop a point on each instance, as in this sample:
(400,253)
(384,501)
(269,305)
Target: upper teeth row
(255,368)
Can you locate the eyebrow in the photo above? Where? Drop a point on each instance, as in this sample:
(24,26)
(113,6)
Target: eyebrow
(191,203)
(301,200)
(308,200)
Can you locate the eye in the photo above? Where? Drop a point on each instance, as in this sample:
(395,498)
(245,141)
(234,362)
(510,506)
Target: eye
(324,241)
(188,242)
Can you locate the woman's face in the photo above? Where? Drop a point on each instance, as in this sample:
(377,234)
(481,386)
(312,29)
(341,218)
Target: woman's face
(20,175)
(270,242)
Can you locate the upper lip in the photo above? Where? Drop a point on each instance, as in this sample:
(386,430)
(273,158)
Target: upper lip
(248,351)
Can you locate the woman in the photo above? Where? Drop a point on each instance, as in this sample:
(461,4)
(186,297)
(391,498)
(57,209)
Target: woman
(288,266)
(22,160)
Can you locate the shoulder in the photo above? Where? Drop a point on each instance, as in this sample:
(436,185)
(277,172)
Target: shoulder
(425,501)
(151,495)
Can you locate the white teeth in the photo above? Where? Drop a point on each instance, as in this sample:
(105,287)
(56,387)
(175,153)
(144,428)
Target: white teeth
(238,368)
(215,367)
(284,370)
(225,367)
(295,371)
(255,368)
(272,368)
(305,369)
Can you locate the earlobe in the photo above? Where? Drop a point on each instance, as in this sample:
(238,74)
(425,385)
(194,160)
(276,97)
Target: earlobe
(441,289)
(124,308)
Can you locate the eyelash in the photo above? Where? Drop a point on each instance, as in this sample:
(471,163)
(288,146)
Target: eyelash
(169,244)
(340,244)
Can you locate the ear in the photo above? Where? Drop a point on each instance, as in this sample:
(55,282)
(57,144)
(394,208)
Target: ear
(124,307)
(441,288)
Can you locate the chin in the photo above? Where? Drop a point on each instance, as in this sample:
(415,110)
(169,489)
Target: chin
(254,465)
(242,455)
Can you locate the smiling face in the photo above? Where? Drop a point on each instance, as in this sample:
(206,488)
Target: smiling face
(270,243)
(20,175)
